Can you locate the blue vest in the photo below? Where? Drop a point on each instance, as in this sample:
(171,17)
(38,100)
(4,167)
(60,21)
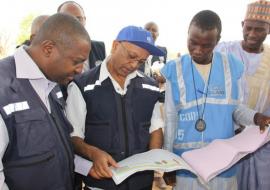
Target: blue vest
(39,153)
(117,124)
(222,98)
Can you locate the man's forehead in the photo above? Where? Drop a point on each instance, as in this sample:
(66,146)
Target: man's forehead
(256,23)
(195,28)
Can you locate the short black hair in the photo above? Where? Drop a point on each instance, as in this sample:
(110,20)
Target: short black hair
(62,29)
(69,2)
(207,20)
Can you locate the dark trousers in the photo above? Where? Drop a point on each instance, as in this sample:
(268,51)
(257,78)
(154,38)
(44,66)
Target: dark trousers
(78,181)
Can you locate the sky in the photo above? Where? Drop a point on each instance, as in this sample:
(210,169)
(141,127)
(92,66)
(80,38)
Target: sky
(105,18)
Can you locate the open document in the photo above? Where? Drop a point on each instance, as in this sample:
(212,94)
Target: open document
(156,159)
(206,162)
(221,154)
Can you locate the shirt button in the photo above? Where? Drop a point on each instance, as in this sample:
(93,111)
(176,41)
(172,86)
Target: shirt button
(122,153)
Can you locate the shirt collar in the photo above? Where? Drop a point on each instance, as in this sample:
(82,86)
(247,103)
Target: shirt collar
(104,72)
(26,68)
(25,65)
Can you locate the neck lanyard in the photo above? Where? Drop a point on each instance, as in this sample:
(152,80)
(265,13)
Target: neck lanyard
(200,124)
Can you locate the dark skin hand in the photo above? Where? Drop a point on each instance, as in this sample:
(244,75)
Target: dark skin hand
(101,160)
(159,78)
(262,121)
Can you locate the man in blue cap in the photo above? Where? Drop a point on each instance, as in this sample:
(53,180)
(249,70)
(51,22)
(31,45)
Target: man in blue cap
(115,111)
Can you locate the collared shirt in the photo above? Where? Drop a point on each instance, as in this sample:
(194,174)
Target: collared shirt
(76,106)
(26,68)
(76,111)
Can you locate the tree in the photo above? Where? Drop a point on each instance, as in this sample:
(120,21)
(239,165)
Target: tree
(5,44)
(25,28)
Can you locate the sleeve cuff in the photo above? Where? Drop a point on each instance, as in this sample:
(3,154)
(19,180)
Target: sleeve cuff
(82,166)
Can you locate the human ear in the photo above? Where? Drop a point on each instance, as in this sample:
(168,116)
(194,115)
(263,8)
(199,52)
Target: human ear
(47,47)
(114,46)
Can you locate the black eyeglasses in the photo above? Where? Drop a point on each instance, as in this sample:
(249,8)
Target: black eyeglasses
(130,57)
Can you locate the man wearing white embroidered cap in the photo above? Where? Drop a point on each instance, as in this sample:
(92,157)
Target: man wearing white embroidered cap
(253,172)
(116,113)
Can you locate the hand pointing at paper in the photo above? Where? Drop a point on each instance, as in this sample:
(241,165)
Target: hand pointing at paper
(101,163)
(262,121)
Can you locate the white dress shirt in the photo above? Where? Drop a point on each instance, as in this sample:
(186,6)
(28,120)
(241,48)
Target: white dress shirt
(26,68)
(76,110)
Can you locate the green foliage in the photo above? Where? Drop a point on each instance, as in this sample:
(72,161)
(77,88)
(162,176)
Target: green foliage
(5,43)
(25,28)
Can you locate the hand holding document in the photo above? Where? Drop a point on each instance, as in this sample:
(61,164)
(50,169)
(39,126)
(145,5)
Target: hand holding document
(156,159)
(206,162)
(221,154)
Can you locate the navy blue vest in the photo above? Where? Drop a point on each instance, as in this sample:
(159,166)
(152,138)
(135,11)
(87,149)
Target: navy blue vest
(118,124)
(39,154)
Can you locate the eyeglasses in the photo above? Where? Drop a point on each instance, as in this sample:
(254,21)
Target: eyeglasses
(131,57)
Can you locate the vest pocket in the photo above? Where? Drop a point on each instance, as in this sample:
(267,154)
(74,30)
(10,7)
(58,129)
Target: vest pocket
(144,135)
(33,132)
(38,169)
(98,133)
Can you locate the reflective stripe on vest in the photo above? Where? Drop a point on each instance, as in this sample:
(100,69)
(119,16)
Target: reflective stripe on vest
(182,88)
(92,86)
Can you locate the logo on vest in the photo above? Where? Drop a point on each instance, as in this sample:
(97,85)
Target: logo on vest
(191,116)
(17,106)
(216,91)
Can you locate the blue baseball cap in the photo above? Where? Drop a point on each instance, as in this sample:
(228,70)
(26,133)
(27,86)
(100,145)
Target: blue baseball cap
(139,37)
